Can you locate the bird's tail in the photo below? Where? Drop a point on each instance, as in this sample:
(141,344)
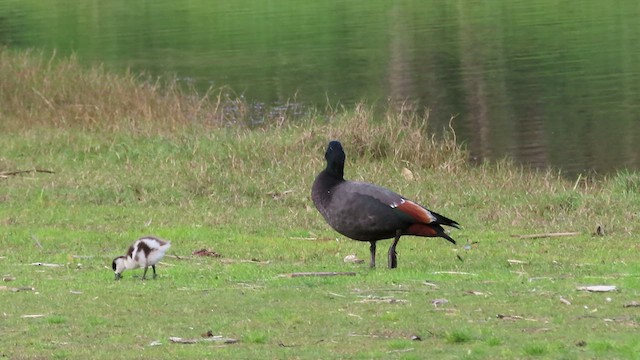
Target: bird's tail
(443,220)
(444,235)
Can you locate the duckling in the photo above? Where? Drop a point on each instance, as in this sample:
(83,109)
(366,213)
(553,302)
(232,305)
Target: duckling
(146,251)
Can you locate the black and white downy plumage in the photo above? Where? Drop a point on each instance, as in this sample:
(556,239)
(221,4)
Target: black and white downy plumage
(146,251)
(367,212)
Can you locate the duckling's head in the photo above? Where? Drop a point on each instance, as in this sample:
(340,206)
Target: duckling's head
(118,266)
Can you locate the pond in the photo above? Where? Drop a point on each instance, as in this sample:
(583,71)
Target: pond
(545,82)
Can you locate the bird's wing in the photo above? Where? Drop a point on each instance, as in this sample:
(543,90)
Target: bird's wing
(418,213)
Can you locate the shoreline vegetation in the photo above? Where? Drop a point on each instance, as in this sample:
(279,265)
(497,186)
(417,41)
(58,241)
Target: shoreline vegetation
(92,160)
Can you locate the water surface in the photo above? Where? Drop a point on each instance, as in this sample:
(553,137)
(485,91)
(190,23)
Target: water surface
(548,83)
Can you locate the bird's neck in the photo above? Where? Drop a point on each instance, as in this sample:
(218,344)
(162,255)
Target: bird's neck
(323,185)
(336,170)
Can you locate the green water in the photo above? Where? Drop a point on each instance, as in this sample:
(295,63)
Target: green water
(549,83)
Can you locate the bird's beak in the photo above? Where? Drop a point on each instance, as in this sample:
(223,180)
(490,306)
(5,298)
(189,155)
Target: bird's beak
(118,276)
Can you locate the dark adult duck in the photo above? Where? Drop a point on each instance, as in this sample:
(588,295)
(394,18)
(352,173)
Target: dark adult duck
(367,212)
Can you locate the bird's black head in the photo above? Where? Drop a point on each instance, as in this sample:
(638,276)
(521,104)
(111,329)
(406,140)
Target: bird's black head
(335,158)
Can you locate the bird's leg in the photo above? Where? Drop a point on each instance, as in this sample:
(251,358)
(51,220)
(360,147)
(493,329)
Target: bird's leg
(144,274)
(393,258)
(154,271)
(372,248)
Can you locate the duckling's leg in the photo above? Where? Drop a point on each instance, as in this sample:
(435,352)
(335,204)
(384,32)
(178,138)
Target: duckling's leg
(144,274)
(154,271)
(393,259)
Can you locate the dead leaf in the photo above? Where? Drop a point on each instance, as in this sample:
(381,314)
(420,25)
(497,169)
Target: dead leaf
(205,252)
(277,195)
(632,304)
(438,302)
(353,259)
(8,278)
(408,175)
(34,316)
(565,301)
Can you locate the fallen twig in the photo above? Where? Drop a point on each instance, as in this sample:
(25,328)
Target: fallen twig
(546,235)
(338,295)
(18,172)
(430,284)
(321,273)
(179,257)
(368,335)
(16,289)
(250,261)
(388,300)
(598,288)
(454,273)
(37,241)
(516,262)
(46,264)
(400,351)
(473,292)
(312,238)
(218,338)
(632,304)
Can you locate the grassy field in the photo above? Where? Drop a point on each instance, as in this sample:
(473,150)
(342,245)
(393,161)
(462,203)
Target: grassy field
(130,157)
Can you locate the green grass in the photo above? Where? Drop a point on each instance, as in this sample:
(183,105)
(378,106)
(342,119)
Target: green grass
(244,193)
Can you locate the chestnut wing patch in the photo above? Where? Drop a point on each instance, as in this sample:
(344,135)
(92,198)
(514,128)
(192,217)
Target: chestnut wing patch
(415,211)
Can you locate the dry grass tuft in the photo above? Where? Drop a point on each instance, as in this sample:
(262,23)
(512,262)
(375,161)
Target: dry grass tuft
(42,91)
(400,136)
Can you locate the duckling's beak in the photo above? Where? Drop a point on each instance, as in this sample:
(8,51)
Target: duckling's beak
(118,276)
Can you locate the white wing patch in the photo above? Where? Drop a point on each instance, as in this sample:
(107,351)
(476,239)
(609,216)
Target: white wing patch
(395,205)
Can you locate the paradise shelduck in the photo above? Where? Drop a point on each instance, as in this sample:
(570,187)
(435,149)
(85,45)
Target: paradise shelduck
(146,251)
(367,212)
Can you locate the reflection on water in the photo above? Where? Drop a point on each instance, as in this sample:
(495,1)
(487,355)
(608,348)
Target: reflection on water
(545,82)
